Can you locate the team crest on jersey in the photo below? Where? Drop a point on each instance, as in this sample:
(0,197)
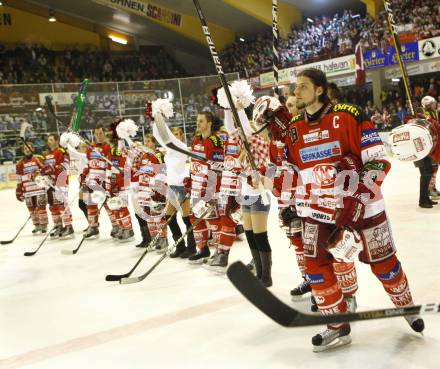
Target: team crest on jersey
(320,152)
(324,174)
(229,163)
(293,134)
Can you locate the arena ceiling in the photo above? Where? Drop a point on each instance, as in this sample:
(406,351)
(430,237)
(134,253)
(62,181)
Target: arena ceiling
(216,11)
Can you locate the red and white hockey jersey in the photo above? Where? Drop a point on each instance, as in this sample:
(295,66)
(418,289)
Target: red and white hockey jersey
(316,149)
(211,148)
(26,171)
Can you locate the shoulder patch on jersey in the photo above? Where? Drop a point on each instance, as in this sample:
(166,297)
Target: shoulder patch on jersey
(116,152)
(159,156)
(216,140)
(297,118)
(39,157)
(354,110)
(62,150)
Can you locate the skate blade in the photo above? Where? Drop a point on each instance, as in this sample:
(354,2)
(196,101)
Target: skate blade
(338,342)
(67,252)
(196,262)
(70,236)
(126,240)
(91,238)
(300,298)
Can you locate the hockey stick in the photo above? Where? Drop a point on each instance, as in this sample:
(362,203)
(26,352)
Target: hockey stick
(118,277)
(32,253)
(165,137)
(393,29)
(75,250)
(221,75)
(12,240)
(275,34)
(266,302)
(128,280)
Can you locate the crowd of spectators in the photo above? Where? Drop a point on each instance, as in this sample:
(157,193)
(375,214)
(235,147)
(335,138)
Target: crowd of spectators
(328,37)
(395,109)
(38,64)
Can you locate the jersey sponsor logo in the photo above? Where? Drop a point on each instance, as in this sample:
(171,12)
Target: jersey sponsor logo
(49,161)
(392,274)
(320,152)
(404,136)
(218,156)
(321,216)
(370,137)
(324,174)
(316,136)
(315,278)
(348,108)
(95,163)
(199,148)
(293,134)
(95,155)
(199,153)
(232,149)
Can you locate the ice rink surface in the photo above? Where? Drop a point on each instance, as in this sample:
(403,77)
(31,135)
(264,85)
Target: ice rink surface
(57,311)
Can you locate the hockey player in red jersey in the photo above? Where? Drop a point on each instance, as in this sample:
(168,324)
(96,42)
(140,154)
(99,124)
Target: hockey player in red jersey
(28,191)
(56,164)
(93,179)
(322,141)
(117,182)
(149,171)
(204,184)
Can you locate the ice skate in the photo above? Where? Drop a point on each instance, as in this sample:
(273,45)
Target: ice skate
(331,338)
(161,245)
(301,292)
(200,256)
(114,232)
(36,229)
(251,267)
(218,263)
(126,235)
(92,233)
(56,232)
(67,232)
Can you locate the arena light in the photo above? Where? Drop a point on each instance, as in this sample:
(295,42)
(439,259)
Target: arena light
(356,16)
(310,20)
(241,39)
(1,3)
(395,79)
(118,40)
(52,16)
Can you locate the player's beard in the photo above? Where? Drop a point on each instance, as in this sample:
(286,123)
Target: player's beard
(304,104)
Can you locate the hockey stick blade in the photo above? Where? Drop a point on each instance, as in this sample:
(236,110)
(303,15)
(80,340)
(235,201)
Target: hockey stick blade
(68,252)
(115,277)
(30,253)
(143,276)
(6,242)
(258,295)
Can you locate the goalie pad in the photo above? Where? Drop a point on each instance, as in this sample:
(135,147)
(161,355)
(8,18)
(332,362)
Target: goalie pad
(115,203)
(347,246)
(414,140)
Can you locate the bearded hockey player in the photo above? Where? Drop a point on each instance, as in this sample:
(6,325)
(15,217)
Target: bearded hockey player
(320,142)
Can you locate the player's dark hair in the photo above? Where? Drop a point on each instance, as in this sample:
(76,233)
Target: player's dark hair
(55,136)
(334,93)
(318,79)
(208,115)
(99,126)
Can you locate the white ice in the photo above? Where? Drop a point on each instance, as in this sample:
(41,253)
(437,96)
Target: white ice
(57,311)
